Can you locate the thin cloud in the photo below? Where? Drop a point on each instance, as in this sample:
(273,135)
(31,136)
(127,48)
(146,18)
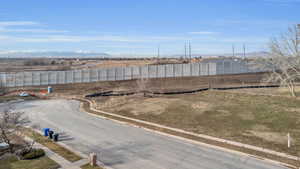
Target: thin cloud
(17,23)
(283,1)
(32,30)
(67,38)
(128,46)
(202,33)
(6,27)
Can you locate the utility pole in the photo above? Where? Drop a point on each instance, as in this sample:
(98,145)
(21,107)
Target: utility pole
(244,49)
(190,51)
(185,50)
(158,51)
(233,52)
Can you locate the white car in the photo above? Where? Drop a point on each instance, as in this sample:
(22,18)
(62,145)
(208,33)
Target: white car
(23,94)
(3,146)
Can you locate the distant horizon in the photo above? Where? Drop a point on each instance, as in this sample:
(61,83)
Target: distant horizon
(79,54)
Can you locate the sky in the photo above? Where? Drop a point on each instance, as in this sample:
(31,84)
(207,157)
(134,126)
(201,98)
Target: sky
(139,27)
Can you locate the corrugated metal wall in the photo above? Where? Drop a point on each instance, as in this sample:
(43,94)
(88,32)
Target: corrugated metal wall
(217,67)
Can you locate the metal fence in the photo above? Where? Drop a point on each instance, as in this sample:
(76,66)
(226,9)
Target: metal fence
(40,78)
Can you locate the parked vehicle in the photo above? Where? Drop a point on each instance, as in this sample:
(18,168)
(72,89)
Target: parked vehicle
(24,94)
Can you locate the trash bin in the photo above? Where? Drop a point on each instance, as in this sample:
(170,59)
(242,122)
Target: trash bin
(51,134)
(50,90)
(46,131)
(55,137)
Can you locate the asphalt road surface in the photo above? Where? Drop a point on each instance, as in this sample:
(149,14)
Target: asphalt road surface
(121,146)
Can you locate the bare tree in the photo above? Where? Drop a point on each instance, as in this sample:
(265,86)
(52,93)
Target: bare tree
(284,60)
(11,124)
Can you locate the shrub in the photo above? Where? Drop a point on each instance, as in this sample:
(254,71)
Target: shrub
(33,154)
(6,160)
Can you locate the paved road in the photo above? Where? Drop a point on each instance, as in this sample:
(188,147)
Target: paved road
(125,147)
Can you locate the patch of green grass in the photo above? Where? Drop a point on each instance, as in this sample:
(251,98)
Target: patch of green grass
(65,153)
(87,166)
(39,163)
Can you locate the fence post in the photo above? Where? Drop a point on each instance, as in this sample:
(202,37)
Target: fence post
(91,75)
(208,69)
(106,72)
(123,73)
(23,79)
(181,70)
(156,71)
(131,70)
(140,72)
(81,76)
(65,77)
(199,71)
(173,70)
(165,67)
(98,75)
(48,78)
(191,74)
(223,67)
(73,76)
(32,78)
(115,73)
(15,79)
(56,77)
(148,72)
(5,80)
(40,78)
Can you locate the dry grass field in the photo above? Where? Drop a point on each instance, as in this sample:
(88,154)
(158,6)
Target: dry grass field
(239,115)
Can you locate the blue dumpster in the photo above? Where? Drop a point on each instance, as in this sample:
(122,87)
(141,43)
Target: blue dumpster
(46,131)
